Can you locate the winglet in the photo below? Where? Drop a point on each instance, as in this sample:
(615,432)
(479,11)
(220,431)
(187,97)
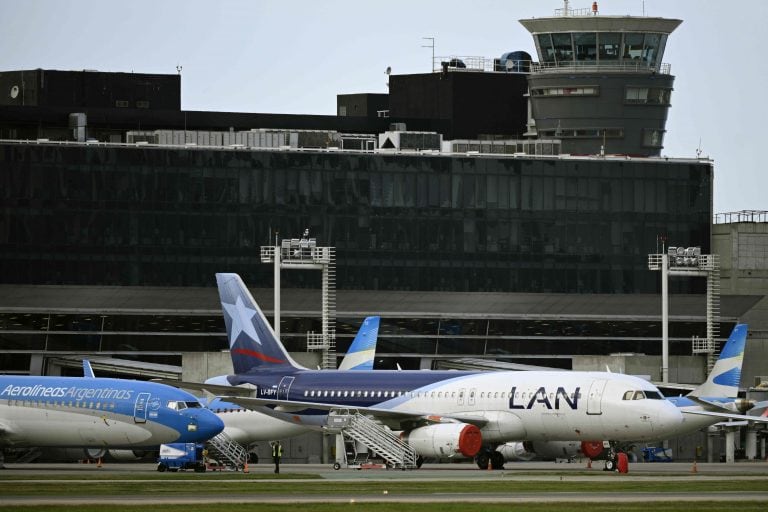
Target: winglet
(363,348)
(252,342)
(87,370)
(725,377)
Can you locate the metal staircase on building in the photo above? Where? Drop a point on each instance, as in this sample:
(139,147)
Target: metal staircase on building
(227,451)
(379,438)
(326,341)
(712,265)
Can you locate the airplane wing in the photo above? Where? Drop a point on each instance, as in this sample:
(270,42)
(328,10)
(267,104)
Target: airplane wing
(396,420)
(759,419)
(214,389)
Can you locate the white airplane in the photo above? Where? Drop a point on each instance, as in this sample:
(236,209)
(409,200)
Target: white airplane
(91,412)
(247,426)
(440,412)
(713,401)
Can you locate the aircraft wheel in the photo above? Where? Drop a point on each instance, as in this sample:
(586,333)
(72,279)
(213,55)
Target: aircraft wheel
(162,467)
(336,466)
(253,458)
(497,460)
(482,459)
(419,461)
(610,465)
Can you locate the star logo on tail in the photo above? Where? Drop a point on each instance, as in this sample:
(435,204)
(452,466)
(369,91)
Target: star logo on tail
(242,321)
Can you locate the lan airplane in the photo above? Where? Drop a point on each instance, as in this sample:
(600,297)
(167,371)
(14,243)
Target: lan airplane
(713,401)
(442,413)
(99,413)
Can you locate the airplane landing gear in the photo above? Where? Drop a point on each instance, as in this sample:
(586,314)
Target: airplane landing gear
(493,457)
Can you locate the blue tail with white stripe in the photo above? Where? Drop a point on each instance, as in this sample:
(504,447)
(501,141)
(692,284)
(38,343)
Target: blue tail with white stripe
(725,377)
(363,348)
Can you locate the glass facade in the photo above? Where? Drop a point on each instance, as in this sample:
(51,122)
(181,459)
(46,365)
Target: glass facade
(605,48)
(78,214)
(126,335)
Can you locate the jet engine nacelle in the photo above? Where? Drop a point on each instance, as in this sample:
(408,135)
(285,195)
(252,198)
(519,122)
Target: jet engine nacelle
(445,440)
(542,450)
(128,454)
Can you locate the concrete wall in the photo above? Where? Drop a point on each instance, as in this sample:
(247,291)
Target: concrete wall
(743,250)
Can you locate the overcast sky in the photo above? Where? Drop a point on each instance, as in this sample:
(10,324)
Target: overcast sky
(295,56)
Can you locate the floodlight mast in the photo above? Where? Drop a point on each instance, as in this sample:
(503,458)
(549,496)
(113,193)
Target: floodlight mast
(304,254)
(688,261)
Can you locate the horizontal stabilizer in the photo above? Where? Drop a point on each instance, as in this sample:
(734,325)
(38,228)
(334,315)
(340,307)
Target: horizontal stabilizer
(725,415)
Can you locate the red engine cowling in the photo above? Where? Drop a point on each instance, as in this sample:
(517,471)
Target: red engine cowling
(445,440)
(593,449)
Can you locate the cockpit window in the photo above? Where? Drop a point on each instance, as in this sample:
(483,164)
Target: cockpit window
(640,395)
(193,405)
(176,406)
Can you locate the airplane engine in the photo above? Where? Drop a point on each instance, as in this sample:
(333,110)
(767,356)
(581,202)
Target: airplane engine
(445,440)
(125,455)
(594,449)
(514,452)
(542,450)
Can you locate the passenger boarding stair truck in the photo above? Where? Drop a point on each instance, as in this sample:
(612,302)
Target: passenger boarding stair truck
(379,438)
(227,452)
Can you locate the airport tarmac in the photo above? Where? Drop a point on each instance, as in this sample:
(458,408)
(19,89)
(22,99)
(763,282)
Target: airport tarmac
(542,472)
(427,471)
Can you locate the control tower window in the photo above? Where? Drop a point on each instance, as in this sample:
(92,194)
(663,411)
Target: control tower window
(651,48)
(586,46)
(546,51)
(653,138)
(647,95)
(633,46)
(563,48)
(609,45)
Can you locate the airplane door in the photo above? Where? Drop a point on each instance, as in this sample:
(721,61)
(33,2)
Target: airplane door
(595,397)
(284,387)
(140,409)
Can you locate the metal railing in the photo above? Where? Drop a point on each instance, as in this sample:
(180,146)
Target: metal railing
(473,63)
(741,216)
(628,66)
(583,11)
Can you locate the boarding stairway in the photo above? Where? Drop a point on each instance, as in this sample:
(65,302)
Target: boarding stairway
(227,452)
(379,438)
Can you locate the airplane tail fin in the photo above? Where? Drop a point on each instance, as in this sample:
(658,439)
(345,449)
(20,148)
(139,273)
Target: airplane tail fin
(724,379)
(88,370)
(363,348)
(252,342)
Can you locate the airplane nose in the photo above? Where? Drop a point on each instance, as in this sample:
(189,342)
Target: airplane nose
(670,419)
(204,424)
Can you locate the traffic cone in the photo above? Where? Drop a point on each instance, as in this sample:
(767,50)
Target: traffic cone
(245,467)
(490,466)
(694,469)
(589,463)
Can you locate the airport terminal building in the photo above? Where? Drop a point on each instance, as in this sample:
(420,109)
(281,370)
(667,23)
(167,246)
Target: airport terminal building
(475,226)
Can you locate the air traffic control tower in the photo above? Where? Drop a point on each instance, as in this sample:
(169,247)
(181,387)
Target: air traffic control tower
(600,84)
